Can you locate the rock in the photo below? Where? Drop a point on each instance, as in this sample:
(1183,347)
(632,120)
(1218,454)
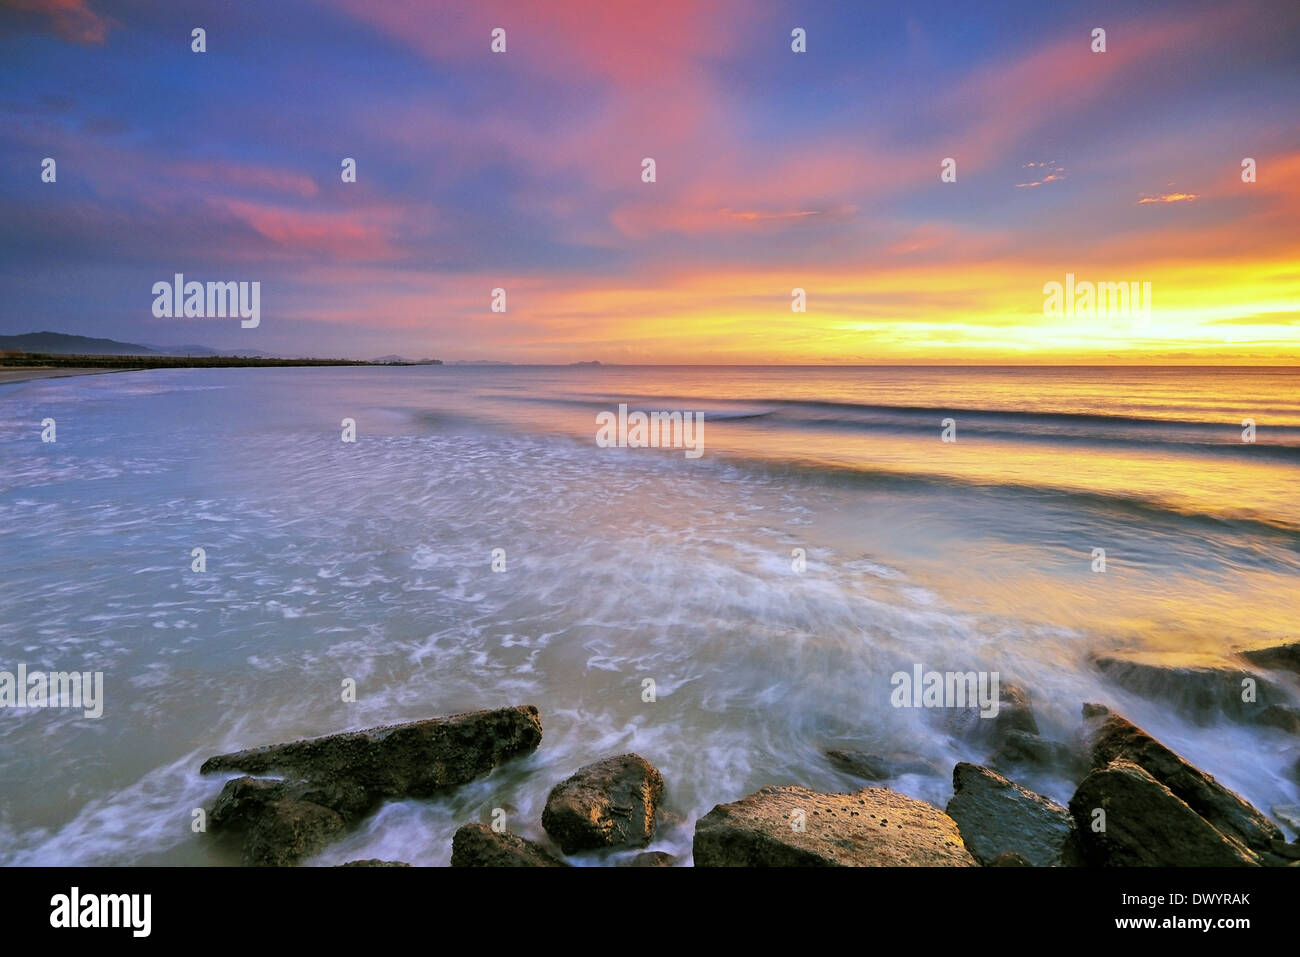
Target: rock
(1116,738)
(607,804)
(1009,859)
(1146,825)
(872,827)
(1202,688)
(1094,710)
(1285,657)
(335,780)
(1280,716)
(879,767)
(287,831)
(653,859)
(418,759)
(477,845)
(996,816)
(374,862)
(1288,852)
(968,723)
(1014,713)
(1021,749)
(242,799)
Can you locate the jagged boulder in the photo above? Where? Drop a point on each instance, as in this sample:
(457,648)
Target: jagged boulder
(997,817)
(797,827)
(416,759)
(653,859)
(287,831)
(1127,818)
(1284,657)
(1116,738)
(374,862)
(870,766)
(1202,689)
(333,781)
(610,803)
(476,845)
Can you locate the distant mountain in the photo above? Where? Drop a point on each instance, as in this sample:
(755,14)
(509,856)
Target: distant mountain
(58,343)
(62,344)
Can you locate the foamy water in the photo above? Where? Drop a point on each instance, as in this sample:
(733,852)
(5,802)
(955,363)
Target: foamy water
(372,561)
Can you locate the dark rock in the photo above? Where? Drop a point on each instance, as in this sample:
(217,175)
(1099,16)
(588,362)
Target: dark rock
(287,831)
(1285,657)
(653,859)
(1094,710)
(1146,825)
(1009,859)
(1022,749)
(374,862)
(872,827)
(1116,738)
(968,723)
(1280,716)
(241,801)
(1014,712)
(1202,690)
(477,845)
(996,816)
(334,781)
(879,767)
(418,759)
(607,804)
(1288,852)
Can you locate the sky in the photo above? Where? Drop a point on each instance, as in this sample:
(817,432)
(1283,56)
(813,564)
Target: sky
(775,170)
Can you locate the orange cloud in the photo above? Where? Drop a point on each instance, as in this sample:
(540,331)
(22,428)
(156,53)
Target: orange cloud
(1168,198)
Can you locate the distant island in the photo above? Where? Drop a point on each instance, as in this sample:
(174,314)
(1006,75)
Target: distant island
(403,361)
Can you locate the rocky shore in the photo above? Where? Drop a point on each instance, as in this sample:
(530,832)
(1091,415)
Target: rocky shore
(1136,802)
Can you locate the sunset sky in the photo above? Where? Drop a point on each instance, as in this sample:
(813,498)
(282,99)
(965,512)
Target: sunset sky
(775,170)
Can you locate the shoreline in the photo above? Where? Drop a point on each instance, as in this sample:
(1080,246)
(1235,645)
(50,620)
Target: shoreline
(28,374)
(24,368)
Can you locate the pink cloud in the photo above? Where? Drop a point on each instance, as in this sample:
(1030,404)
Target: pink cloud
(628,45)
(345,236)
(71,20)
(1008,100)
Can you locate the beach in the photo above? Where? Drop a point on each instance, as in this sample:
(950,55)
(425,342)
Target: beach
(827,539)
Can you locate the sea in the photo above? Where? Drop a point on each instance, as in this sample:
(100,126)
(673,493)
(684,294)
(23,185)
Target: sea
(729,617)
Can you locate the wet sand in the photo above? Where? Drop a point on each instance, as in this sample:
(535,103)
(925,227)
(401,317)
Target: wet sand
(46,372)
